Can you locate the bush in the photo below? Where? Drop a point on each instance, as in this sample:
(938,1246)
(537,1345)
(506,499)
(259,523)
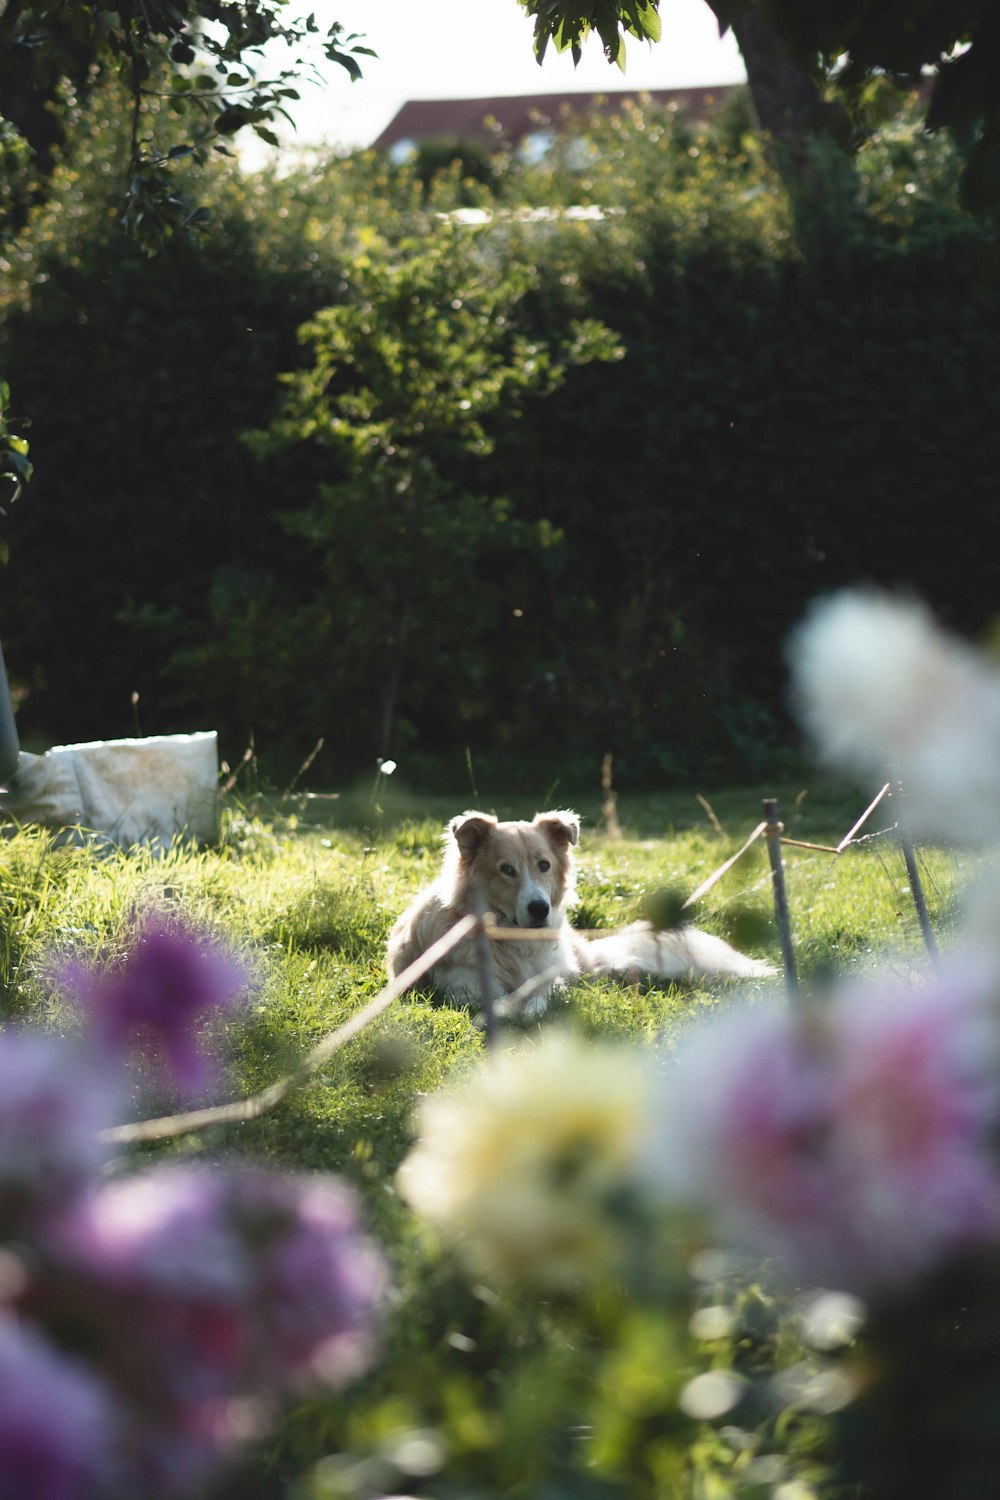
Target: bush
(620,560)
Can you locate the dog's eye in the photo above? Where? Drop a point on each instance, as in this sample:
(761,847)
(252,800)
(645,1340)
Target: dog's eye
(544,865)
(507,868)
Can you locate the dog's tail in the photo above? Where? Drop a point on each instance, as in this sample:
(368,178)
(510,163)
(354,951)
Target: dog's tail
(670,954)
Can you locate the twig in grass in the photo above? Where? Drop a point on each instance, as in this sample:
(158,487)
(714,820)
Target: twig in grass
(513,1004)
(707,885)
(234,777)
(609,800)
(848,837)
(303,769)
(710,814)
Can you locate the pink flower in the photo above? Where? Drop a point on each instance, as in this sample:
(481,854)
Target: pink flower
(57,1423)
(317,1279)
(202,1290)
(52,1106)
(171,982)
(855,1144)
(154,1252)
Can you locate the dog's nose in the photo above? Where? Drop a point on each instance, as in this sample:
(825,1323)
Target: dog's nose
(538,911)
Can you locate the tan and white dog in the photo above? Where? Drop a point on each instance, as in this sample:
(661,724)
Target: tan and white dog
(524,875)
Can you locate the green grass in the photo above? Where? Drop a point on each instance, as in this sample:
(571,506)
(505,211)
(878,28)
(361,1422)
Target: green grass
(310,907)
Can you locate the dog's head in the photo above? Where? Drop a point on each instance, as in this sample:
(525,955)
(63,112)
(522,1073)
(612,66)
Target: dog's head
(523,871)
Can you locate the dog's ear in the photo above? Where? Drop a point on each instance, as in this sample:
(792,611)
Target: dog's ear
(560,828)
(470,830)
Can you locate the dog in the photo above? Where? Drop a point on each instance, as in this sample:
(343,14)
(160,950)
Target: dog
(523,876)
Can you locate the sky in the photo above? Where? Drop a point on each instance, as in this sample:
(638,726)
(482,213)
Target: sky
(468,49)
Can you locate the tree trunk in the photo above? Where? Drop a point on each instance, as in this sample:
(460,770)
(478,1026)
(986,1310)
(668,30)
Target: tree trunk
(808,135)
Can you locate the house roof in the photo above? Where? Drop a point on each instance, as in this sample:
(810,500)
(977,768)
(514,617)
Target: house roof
(522,114)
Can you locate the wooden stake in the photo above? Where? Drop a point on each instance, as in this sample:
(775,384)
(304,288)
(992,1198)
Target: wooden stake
(773,829)
(487,973)
(913,876)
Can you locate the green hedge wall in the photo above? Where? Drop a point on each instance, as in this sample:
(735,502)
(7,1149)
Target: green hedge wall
(792,411)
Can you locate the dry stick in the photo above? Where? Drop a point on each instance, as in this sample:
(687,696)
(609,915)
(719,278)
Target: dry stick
(710,814)
(802,844)
(257,1104)
(303,768)
(609,800)
(521,934)
(863,819)
(773,829)
(849,836)
(707,885)
(512,1004)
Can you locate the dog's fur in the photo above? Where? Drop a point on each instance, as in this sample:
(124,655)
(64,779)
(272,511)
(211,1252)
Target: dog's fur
(523,874)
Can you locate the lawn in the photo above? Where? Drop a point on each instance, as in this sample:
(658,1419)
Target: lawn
(483,1390)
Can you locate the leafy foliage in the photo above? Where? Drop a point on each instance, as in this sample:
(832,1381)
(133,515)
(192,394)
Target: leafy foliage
(406,379)
(198,55)
(614,527)
(567,25)
(15,466)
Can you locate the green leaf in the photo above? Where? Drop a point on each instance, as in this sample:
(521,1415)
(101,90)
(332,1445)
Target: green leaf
(652,25)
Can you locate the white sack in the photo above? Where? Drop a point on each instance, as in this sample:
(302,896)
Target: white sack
(141,791)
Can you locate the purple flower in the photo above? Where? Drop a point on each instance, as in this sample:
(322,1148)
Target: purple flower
(53,1103)
(155,1003)
(856,1144)
(56,1421)
(206,1294)
(154,1252)
(317,1278)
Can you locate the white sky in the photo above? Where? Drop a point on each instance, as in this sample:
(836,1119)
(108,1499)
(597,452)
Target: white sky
(467,49)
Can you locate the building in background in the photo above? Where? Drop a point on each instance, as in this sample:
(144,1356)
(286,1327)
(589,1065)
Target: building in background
(526,122)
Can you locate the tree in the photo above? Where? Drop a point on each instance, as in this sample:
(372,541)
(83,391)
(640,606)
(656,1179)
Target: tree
(795,49)
(417,559)
(197,55)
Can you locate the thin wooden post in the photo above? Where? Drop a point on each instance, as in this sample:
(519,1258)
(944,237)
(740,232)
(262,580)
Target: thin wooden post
(773,829)
(487,974)
(913,876)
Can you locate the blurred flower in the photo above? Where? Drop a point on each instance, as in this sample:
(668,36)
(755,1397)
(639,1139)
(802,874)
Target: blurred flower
(52,1106)
(153,1252)
(883,691)
(525,1163)
(240,1280)
(172,981)
(855,1144)
(317,1280)
(56,1421)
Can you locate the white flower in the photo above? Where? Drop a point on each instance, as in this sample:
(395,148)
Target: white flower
(521,1164)
(883,691)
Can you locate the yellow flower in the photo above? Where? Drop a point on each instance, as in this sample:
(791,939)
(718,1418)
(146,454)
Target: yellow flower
(520,1165)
